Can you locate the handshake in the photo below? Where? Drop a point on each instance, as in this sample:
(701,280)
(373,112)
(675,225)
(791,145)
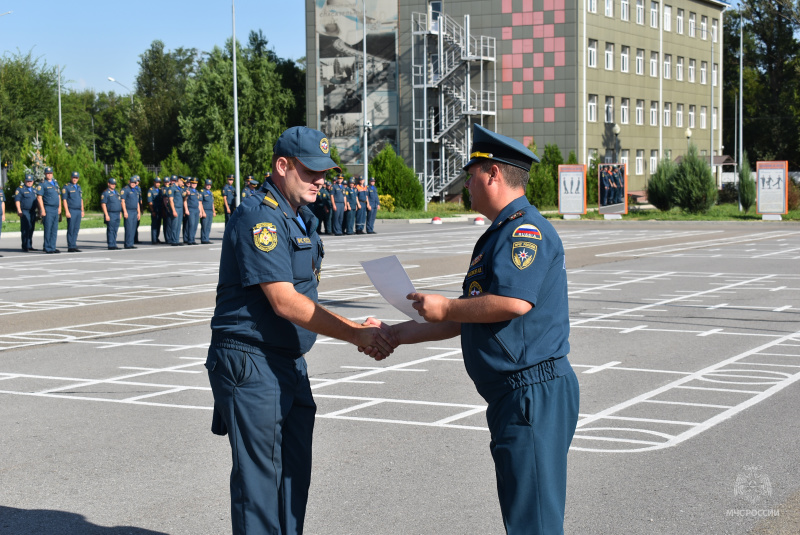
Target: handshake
(379,340)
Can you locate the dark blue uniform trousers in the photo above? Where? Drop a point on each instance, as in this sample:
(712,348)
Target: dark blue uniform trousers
(205,227)
(266,407)
(349,221)
(112,227)
(155,227)
(532,428)
(338,218)
(190,228)
(130,229)
(361,217)
(50,223)
(176,227)
(371,215)
(73,226)
(26,229)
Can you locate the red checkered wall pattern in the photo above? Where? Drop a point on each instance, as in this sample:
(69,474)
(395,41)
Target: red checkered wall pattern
(533,78)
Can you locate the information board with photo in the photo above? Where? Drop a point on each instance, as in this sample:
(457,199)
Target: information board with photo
(571,189)
(771,185)
(612,183)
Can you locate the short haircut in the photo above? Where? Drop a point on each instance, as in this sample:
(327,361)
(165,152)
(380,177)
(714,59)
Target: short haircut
(514,176)
(291,161)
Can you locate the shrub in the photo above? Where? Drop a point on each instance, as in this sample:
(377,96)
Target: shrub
(694,190)
(729,194)
(592,184)
(394,178)
(466,199)
(794,195)
(747,186)
(542,187)
(660,187)
(219,204)
(387,202)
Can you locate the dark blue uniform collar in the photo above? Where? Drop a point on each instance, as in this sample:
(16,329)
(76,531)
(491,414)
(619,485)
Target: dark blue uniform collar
(283,205)
(520,203)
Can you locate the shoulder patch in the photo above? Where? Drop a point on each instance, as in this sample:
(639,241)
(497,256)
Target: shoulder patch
(265,236)
(476,260)
(523,253)
(527,231)
(475,288)
(269,200)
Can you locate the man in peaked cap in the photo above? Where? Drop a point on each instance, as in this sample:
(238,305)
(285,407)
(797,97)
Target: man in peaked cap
(155,204)
(73,208)
(513,318)
(25,201)
(266,318)
(49,198)
(229,197)
(208,212)
(111,204)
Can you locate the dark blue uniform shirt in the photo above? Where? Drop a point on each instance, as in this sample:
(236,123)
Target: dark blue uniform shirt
(207,197)
(193,199)
(372,195)
(49,193)
(338,193)
(229,192)
(26,197)
(131,197)
(264,242)
(72,194)
(154,198)
(112,200)
(520,255)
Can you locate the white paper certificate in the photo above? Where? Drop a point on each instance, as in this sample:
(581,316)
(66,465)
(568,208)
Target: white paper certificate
(392,282)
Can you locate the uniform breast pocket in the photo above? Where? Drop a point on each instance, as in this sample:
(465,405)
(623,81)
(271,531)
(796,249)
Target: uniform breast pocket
(302,258)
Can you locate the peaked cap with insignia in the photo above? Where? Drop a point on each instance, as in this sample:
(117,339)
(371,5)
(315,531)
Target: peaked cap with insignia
(311,147)
(493,146)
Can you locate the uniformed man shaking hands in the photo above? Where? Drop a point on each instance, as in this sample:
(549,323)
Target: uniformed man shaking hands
(266,319)
(513,319)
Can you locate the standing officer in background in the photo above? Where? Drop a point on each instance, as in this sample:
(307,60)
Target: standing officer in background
(327,207)
(208,213)
(337,193)
(155,204)
(229,198)
(111,203)
(73,209)
(373,205)
(135,184)
(513,318)
(2,209)
(176,204)
(266,319)
(350,208)
(131,212)
(194,210)
(25,200)
(49,198)
(361,212)
(166,212)
(251,185)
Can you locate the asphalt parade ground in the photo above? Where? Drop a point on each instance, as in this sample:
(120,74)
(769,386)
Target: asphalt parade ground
(685,338)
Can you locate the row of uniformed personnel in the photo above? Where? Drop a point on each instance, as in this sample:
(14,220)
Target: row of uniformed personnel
(347,208)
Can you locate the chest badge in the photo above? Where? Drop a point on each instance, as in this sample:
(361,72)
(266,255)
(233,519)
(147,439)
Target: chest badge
(475,289)
(523,253)
(527,231)
(265,236)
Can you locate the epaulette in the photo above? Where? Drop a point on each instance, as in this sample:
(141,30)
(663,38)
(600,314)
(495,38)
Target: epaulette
(519,214)
(269,200)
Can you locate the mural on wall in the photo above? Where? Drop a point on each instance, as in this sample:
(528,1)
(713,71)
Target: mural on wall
(340,63)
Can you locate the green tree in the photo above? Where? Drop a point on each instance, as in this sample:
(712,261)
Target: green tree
(207,113)
(543,183)
(694,189)
(393,177)
(333,173)
(660,187)
(292,73)
(111,125)
(131,162)
(173,165)
(747,186)
(217,165)
(593,182)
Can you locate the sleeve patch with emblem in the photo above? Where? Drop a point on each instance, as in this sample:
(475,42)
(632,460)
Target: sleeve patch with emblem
(475,288)
(527,231)
(523,253)
(265,236)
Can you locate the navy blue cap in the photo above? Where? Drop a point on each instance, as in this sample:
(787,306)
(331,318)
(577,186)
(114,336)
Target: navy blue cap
(173,178)
(372,179)
(493,146)
(309,146)
(75,174)
(112,181)
(209,182)
(157,179)
(253,181)
(48,170)
(193,179)
(231,177)
(29,178)
(352,180)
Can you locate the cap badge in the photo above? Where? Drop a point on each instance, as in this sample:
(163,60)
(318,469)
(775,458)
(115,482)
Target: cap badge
(323,145)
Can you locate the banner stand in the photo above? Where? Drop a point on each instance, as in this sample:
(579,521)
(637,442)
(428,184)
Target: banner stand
(571,217)
(612,216)
(771,217)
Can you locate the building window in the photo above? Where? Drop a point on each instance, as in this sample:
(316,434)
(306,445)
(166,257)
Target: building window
(703,116)
(692,64)
(592,53)
(654,14)
(692,23)
(592,109)
(609,8)
(623,156)
(679,22)
(609,110)
(679,115)
(639,161)
(679,69)
(667,66)
(667,18)
(592,6)
(654,64)
(592,156)
(609,56)
(703,68)
(625,105)
(624,10)
(714,118)
(653,113)
(653,161)
(703,27)
(692,109)
(639,11)
(639,61)
(623,58)
(639,112)
(714,30)
(667,113)
(714,74)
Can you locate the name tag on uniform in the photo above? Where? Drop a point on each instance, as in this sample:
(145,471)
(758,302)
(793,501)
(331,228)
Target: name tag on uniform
(303,241)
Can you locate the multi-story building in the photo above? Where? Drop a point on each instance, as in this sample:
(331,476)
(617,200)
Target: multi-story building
(618,80)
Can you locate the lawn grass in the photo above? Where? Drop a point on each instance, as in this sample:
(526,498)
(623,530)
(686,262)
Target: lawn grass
(90,220)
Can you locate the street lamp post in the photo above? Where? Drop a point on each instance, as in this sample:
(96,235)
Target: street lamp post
(616,131)
(110,79)
(688,137)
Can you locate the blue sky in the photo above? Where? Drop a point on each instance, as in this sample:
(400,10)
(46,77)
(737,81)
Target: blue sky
(95,39)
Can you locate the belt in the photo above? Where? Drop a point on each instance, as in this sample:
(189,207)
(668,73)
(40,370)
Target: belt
(220,340)
(538,373)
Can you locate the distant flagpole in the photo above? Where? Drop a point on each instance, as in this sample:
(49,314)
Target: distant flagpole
(235,108)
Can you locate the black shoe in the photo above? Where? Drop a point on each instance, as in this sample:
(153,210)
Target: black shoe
(54,251)
(371,232)
(113,248)
(73,250)
(131,247)
(32,249)
(337,234)
(359,232)
(24,250)
(206,243)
